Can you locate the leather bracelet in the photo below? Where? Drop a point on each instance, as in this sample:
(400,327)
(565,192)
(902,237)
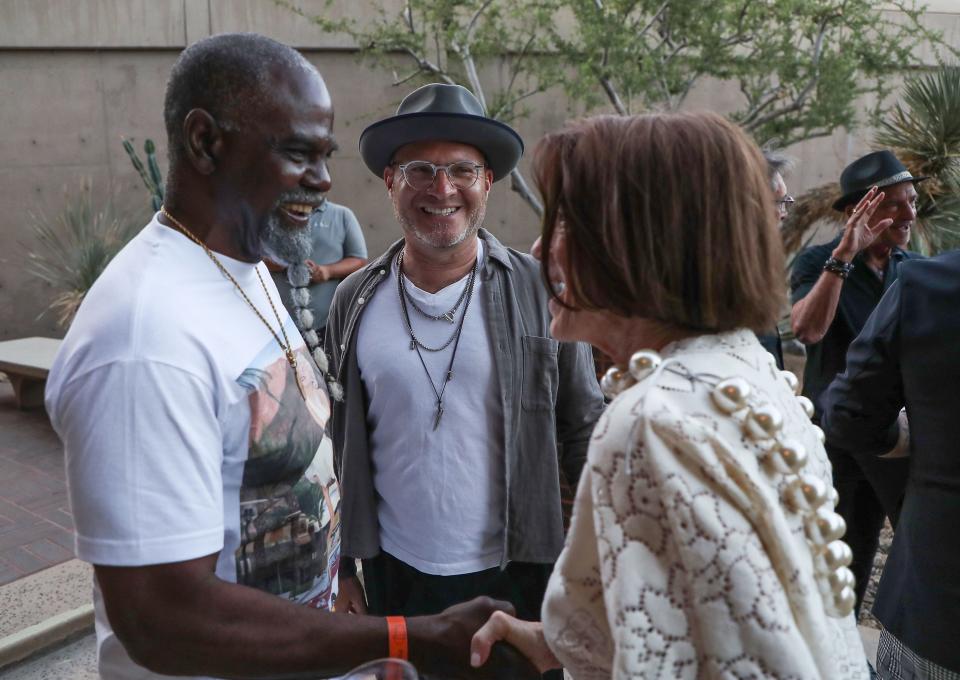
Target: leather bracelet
(838,267)
(397,635)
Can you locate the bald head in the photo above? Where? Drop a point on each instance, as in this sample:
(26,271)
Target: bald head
(232,76)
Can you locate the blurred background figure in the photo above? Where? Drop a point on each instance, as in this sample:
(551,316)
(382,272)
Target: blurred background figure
(777,165)
(834,288)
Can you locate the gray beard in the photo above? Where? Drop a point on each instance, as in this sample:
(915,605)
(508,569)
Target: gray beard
(284,246)
(433,238)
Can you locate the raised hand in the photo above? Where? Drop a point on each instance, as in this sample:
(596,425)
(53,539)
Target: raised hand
(858,234)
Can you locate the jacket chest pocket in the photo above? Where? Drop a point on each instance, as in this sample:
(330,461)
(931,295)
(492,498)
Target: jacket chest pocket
(540,373)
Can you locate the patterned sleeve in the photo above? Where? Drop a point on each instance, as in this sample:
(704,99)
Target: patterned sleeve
(681,560)
(575,622)
(689,587)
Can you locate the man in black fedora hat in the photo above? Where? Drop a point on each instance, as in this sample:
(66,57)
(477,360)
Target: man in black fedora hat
(460,412)
(834,288)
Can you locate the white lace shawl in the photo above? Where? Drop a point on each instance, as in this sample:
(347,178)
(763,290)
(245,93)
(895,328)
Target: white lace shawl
(681,561)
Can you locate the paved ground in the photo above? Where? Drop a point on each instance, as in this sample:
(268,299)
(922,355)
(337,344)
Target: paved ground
(77,660)
(36,529)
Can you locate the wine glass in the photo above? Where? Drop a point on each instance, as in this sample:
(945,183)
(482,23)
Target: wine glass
(383,669)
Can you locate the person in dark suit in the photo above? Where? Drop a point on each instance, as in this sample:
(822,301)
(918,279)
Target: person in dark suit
(906,356)
(834,288)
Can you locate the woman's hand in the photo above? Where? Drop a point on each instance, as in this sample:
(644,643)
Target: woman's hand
(527,636)
(858,234)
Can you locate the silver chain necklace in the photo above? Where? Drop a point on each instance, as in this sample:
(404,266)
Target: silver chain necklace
(415,344)
(448,316)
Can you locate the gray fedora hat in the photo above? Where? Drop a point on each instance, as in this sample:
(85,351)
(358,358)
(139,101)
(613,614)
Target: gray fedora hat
(441,112)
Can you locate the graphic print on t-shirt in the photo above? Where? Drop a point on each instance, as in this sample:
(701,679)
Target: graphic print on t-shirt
(289,497)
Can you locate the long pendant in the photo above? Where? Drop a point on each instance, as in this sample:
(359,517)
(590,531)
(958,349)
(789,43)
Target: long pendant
(436,420)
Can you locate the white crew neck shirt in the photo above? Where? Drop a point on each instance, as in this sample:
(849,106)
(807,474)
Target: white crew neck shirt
(441,492)
(186,434)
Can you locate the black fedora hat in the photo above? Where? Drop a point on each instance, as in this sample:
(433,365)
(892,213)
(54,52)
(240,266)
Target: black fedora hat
(441,112)
(878,169)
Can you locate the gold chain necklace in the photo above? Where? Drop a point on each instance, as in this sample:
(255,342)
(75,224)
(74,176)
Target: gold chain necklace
(285,346)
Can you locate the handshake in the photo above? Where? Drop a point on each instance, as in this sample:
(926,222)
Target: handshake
(465,642)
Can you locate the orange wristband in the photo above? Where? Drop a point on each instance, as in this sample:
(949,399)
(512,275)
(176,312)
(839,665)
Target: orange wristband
(397,632)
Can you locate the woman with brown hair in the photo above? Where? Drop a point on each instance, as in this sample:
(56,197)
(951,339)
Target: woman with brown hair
(704,542)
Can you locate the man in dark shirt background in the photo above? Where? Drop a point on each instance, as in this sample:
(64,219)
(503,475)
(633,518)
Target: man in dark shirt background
(777,165)
(834,288)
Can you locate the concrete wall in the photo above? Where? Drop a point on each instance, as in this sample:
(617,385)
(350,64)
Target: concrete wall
(77,75)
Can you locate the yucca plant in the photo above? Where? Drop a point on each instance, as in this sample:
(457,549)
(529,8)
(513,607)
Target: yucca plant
(923,130)
(71,250)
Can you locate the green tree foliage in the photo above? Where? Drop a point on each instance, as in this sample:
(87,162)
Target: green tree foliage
(802,67)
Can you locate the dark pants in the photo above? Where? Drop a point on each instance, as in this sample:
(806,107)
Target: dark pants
(869,491)
(394,588)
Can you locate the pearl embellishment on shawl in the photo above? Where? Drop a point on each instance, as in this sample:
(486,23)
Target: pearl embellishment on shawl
(806,495)
(616,380)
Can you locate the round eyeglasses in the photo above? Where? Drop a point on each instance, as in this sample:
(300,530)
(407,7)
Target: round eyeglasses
(421,174)
(784,204)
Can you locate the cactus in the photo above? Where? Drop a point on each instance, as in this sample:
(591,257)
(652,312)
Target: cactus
(151,175)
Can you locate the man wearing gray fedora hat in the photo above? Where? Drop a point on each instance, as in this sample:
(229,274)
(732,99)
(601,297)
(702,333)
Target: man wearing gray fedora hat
(460,412)
(834,288)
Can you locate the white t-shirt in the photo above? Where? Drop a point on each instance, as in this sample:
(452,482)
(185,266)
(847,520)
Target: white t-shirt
(185,433)
(441,491)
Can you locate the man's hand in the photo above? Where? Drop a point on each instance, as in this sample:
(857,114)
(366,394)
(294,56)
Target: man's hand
(350,599)
(318,272)
(858,234)
(441,644)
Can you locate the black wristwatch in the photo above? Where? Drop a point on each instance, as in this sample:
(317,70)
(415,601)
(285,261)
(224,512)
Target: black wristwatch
(838,267)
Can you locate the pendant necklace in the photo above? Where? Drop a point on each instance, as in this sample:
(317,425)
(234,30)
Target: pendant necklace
(415,343)
(285,345)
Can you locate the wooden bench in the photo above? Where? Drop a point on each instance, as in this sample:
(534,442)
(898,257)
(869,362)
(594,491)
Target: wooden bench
(27,363)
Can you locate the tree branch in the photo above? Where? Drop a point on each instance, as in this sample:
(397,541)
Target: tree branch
(801,98)
(397,80)
(653,19)
(408,17)
(429,67)
(767,99)
(473,21)
(519,184)
(612,95)
(515,68)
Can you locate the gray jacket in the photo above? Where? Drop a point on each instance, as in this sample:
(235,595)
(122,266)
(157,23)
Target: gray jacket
(548,389)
